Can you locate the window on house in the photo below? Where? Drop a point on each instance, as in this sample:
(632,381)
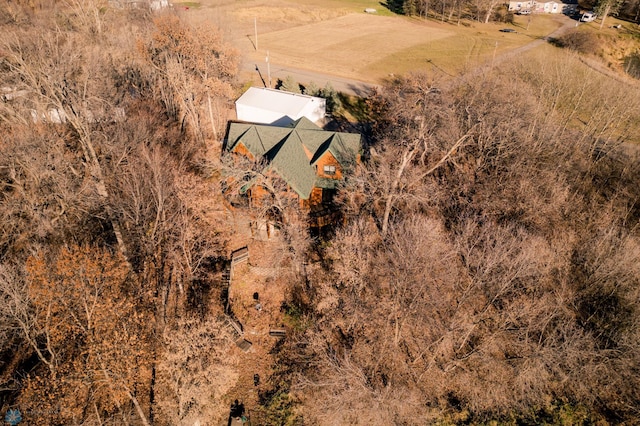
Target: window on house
(329,170)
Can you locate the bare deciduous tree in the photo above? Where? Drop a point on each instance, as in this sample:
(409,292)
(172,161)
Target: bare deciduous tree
(195,371)
(193,65)
(497,285)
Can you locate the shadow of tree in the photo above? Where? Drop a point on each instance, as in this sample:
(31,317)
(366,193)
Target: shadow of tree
(395,6)
(355,106)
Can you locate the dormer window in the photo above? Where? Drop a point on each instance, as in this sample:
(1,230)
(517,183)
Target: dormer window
(329,170)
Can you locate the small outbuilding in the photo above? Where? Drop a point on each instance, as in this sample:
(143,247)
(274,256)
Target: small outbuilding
(271,106)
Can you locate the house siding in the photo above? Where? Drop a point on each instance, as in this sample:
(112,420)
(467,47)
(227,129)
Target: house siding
(540,7)
(242,150)
(315,199)
(328,160)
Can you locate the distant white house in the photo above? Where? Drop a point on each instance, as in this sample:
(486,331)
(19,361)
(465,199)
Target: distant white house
(516,6)
(270,106)
(540,6)
(156,5)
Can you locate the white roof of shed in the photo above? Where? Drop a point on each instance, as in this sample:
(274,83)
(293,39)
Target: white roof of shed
(287,103)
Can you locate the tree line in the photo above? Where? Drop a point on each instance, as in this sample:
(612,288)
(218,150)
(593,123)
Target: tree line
(108,230)
(444,10)
(491,10)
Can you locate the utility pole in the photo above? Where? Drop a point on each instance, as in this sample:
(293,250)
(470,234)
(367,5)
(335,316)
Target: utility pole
(494,54)
(255,30)
(268,70)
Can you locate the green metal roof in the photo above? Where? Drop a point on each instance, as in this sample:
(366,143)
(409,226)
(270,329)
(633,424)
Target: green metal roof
(283,148)
(326,183)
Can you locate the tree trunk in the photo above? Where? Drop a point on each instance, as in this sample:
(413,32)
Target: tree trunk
(152,394)
(489,12)
(139,410)
(101,187)
(406,159)
(604,14)
(213,124)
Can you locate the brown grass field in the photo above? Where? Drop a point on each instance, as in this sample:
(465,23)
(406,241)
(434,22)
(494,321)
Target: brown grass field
(337,38)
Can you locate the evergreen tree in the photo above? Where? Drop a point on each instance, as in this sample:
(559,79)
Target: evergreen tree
(290,85)
(410,7)
(605,8)
(331,95)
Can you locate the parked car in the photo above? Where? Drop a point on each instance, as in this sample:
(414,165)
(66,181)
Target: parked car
(524,12)
(588,17)
(507,30)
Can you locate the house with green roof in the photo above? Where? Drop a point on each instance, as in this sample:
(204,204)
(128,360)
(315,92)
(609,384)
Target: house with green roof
(312,161)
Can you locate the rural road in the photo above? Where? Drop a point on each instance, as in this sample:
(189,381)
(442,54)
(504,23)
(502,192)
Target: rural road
(566,26)
(259,71)
(340,84)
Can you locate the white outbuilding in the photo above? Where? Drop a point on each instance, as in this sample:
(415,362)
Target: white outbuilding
(271,106)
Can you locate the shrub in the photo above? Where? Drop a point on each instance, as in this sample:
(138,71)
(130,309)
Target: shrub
(579,41)
(632,65)
(503,15)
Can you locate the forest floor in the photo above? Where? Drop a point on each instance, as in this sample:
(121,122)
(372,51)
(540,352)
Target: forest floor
(260,274)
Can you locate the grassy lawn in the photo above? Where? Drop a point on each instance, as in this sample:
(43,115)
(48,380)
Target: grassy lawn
(463,49)
(369,48)
(350,5)
(611,105)
(468,46)
(539,25)
(336,37)
(188,4)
